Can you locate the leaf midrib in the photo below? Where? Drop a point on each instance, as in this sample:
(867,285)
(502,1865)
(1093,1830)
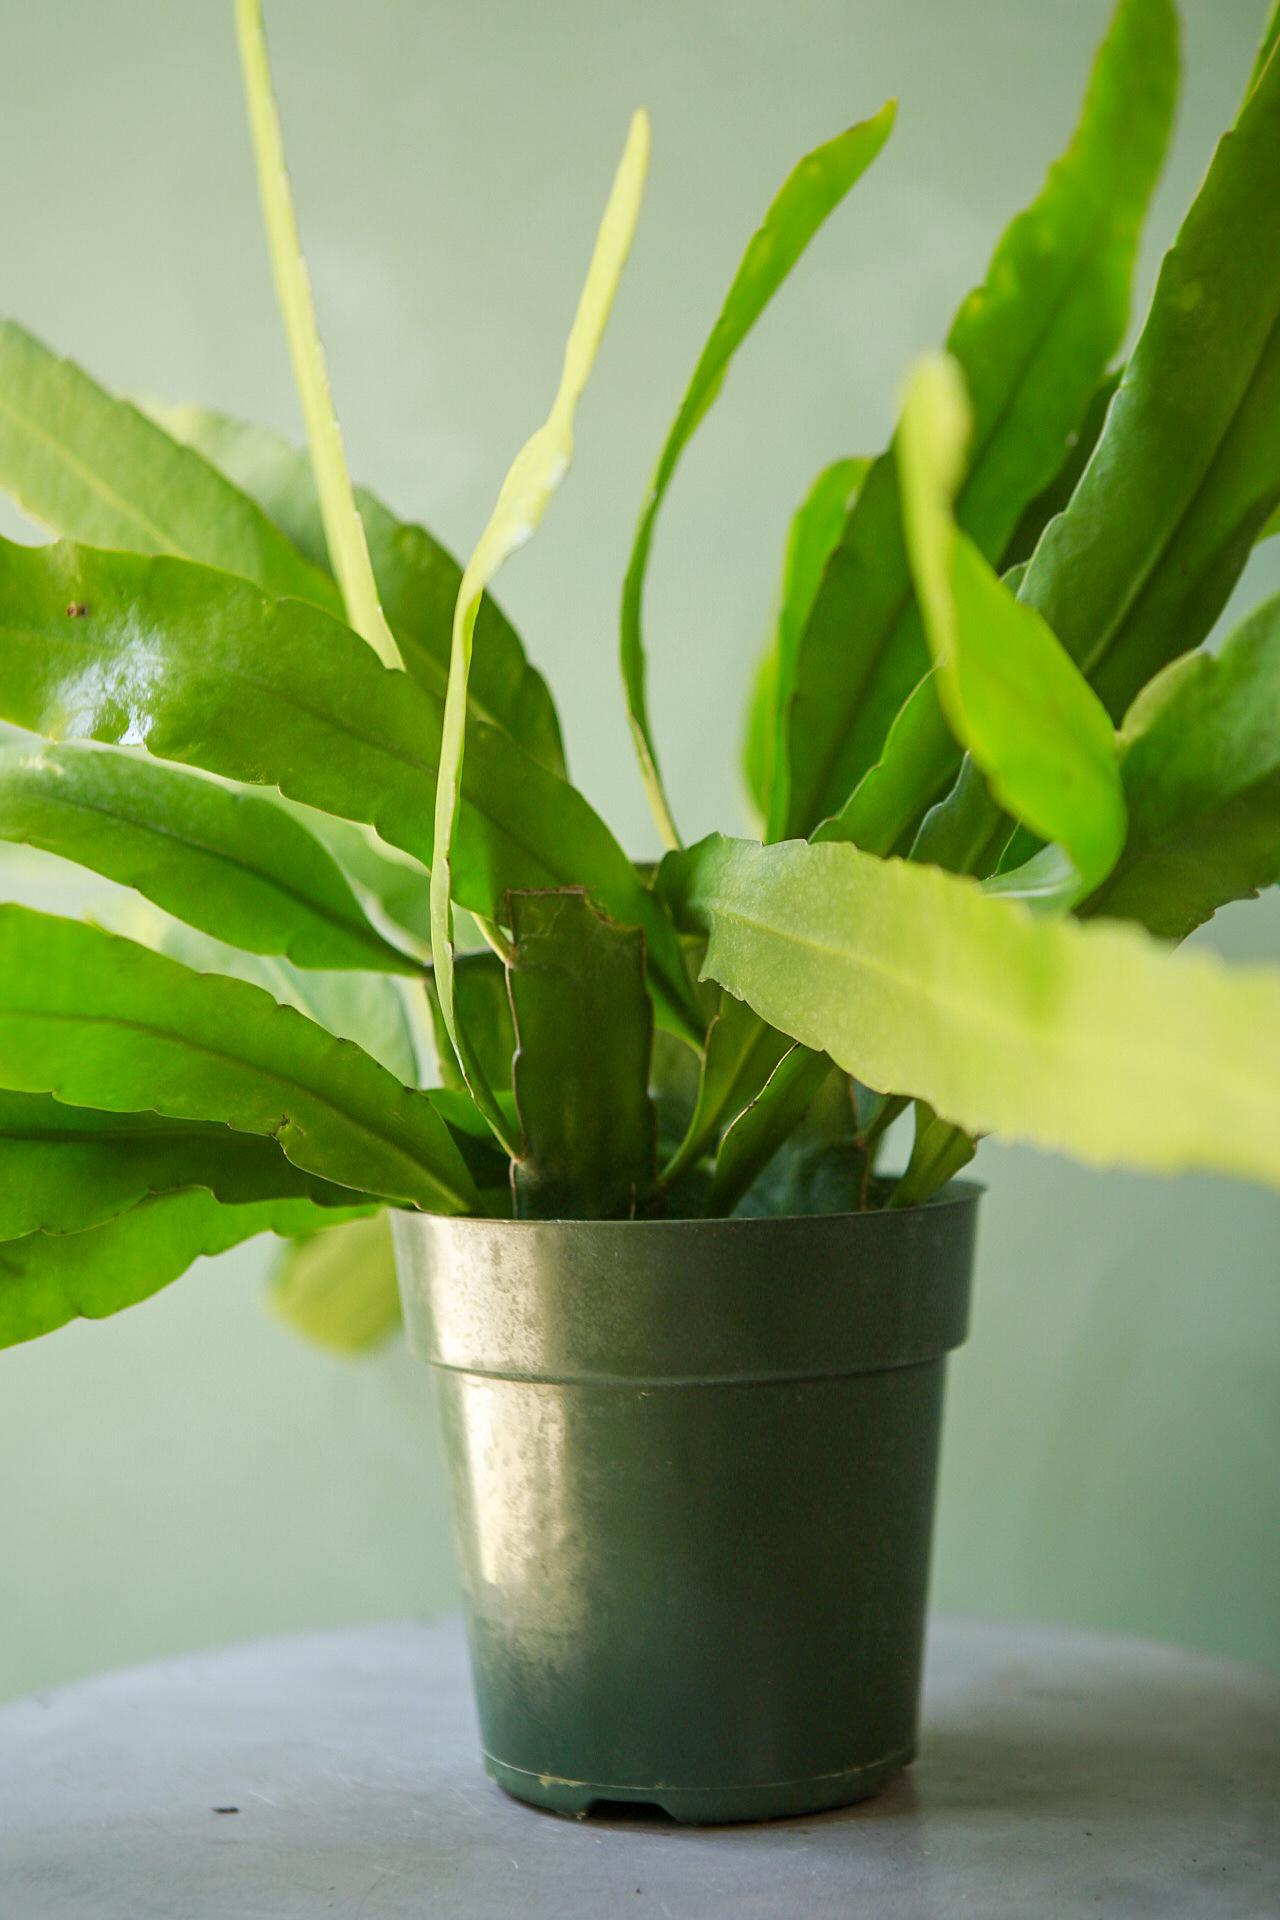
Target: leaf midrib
(365,935)
(268,1075)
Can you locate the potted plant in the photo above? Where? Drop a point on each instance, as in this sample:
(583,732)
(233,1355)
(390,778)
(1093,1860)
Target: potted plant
(690,1333)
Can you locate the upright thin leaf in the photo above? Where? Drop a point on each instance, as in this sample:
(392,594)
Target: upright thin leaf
(47,1279)
(344,532)
(815,530)
(1043,1030)
(101,1022)
(1033,343)
(811,192)
(1011,694)
(1201,766)
(226,861)
(1187,471)
(84,463)
(417,578)
(584,1030)
(526,492)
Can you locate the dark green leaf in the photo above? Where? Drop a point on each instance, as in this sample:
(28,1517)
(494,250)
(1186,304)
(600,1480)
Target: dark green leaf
(480,991)
(1033,343)
(338,1286)
(939,1152)
(1186,473)
(101,1022)
(584,1028)
(741,1053)
(47,1279)
(820,1168)
(66,1168)
(1053,499)
(1201,767)
(815,529)
(83,463)
(811,192)
(418,580)
(224,860)
(201,668)
(759,1131)
(1187,470)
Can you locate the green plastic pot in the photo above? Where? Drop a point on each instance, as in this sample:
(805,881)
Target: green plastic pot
(692,1467)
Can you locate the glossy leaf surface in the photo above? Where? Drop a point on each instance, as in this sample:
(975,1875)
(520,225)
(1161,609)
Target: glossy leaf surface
(808,196)
(584,1032)
(100,1021)
(201,669)
(1044,1030)
(224,860)
(418,579)
(1033,343)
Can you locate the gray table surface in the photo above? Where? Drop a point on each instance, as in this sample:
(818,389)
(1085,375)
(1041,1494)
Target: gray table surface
(1061,1774)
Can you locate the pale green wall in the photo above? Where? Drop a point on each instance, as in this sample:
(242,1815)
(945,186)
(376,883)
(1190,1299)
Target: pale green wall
(188,1473)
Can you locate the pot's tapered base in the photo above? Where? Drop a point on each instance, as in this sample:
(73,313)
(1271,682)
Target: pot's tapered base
(702,1806)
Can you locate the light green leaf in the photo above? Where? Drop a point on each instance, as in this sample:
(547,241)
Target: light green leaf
(1010,693)
(811,192)
(815,530)
(63,1169)
(202,669)
(535,474)
(584,1033)
(344,532)
(102,1022)
(1033,343)
(1201,770)
(338,1287)
(47,1279)
(222,859)
(741,1054)
(760,1130)
(81,462)
(1043,1030)
(418,579)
